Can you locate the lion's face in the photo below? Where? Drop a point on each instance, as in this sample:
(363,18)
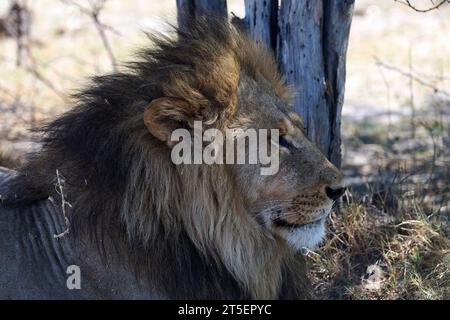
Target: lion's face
(294,203)
(240,88)
(291,205)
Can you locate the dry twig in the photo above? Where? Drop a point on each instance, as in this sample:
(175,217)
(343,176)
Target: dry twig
(94,11)
(60,190)
(411,76)
(433,7)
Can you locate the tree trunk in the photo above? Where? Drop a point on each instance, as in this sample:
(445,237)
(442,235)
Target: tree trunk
(261,21)
(188,9)
(309,39)
(312,47)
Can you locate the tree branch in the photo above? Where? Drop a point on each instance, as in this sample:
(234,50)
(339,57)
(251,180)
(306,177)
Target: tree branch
(93,12)
(411,76)
(435,6)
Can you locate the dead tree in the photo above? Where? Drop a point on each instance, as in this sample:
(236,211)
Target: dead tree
(188,9)
(311,50)
(261,20)
(309,39)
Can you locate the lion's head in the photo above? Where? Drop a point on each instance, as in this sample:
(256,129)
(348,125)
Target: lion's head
(114,151)
(232,83)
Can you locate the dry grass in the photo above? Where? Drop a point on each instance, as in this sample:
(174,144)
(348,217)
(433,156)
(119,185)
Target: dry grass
(370,255)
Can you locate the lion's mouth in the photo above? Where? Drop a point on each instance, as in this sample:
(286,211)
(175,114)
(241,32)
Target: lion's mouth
(282,223)
(285,224)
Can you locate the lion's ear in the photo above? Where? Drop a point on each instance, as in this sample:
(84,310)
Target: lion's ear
(164,115)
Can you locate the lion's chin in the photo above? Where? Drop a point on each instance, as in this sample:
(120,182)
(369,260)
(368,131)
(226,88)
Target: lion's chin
(307,236)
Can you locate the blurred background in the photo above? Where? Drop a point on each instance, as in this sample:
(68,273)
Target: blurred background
(390,239)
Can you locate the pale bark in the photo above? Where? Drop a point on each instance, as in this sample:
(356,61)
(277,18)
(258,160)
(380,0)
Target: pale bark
(189,9)
(312,47)
(261,21)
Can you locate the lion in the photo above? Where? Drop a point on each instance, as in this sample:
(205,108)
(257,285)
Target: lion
(102,196)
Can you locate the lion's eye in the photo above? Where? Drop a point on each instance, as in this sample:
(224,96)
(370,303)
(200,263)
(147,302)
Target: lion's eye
(284,143)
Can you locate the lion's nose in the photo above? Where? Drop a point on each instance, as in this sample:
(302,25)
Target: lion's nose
(334,193)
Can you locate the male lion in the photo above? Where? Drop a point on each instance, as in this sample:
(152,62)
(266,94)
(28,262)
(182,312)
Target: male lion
(139,226)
